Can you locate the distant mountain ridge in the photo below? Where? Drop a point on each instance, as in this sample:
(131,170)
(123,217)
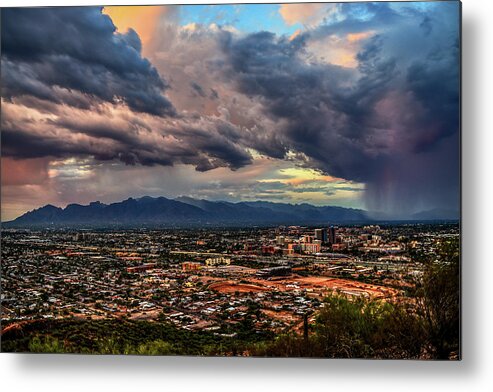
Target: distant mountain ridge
(189,212)
(437,213)
(183,212)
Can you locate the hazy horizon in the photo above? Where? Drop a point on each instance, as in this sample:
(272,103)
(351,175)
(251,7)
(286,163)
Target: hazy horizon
(372,215)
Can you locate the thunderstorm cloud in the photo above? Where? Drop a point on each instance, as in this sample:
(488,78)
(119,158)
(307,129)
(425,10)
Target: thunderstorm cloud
(366,95)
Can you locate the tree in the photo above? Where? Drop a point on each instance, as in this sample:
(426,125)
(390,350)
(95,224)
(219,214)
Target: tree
(439,300)
(46,345)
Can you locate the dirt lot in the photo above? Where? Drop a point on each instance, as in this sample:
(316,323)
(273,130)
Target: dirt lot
(232,286)
(316,284)
(349,287)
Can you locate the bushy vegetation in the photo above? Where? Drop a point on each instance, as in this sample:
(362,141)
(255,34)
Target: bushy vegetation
(426,326)
(117,336)
(438,296)
(353,328)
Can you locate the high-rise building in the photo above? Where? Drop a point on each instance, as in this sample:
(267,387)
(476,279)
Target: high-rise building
(332,234)
(321,235)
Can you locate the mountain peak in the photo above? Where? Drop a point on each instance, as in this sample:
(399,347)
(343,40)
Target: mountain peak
(48,207)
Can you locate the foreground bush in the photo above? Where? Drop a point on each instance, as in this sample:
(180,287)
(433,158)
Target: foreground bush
(424,326)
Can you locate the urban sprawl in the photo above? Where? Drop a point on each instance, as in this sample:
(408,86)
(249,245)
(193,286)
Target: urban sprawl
(208,279)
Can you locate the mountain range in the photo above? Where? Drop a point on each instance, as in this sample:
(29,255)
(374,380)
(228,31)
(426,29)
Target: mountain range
(189,212)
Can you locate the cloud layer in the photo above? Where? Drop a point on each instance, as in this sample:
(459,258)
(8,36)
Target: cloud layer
(377,123)
(367,93)
(49,52)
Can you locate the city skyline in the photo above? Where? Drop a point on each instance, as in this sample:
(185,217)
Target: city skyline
(353,105)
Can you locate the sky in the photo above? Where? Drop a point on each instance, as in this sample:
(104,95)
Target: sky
(346,104)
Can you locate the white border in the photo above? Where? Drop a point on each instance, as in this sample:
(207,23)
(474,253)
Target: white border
(86,373)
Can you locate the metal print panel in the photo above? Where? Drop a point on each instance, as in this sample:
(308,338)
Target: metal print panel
(277,180)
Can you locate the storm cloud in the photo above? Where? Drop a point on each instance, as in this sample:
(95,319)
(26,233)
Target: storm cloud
(48,50)
(368,94)
(114,133)
(325,119)
(376,123)
(66,89)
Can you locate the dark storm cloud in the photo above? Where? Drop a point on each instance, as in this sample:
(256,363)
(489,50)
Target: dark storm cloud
(77,49)
(426,25)
(390,122)
(435,84)
(103,130)
(205,142)
(214,94)
(325,120)
(197,89)
(35,147)
(377,123)
(220,145)
(69,69)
